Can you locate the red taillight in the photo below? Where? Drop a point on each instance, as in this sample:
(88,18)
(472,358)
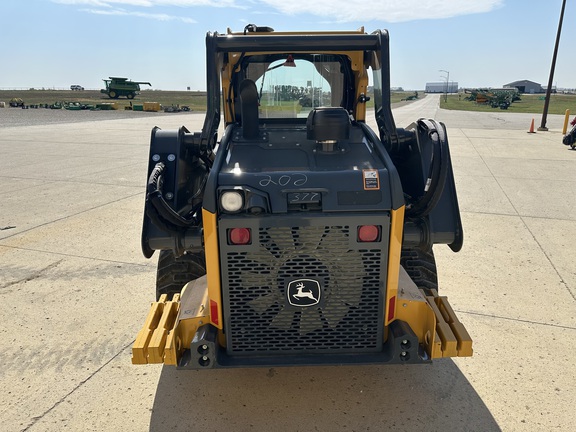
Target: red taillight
(214,312)
(391,308)
(239,236)
(368,233)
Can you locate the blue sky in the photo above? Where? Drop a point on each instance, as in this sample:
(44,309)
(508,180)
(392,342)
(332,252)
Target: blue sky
(56,43)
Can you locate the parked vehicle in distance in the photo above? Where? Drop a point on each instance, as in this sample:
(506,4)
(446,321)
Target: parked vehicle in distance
(76,87)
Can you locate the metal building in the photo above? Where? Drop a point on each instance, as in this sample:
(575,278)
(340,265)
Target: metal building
(442,87)
(526,86)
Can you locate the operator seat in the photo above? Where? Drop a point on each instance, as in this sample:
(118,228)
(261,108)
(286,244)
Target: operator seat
(328,126)
(249,109)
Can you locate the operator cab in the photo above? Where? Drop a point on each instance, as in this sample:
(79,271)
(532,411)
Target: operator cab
(304,97)
(290,86)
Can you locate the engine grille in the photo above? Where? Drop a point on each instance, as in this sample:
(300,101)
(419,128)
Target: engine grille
(260,282)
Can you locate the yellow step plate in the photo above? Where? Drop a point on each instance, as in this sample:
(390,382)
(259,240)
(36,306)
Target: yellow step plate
(151,340)
(171,325)
(455,340)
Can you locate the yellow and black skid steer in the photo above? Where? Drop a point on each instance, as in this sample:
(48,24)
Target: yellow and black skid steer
(301,236)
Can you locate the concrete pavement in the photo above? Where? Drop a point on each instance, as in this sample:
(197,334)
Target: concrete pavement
(74,290)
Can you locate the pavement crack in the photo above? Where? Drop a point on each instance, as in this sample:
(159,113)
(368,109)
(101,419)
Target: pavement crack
(33,276)
(562,281)
(72,215)
(77,387)
(517,320)
(69,255)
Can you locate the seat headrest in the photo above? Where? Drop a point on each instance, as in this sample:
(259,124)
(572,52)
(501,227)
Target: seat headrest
(328,124)
(249,109)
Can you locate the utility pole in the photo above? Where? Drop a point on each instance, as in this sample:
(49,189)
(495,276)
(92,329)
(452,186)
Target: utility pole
(549,88)
(447,80)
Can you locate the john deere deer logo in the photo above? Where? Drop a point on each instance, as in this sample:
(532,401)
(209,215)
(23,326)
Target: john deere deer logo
(303,292)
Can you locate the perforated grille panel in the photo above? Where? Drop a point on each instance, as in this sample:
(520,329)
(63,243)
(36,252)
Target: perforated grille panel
(304,290)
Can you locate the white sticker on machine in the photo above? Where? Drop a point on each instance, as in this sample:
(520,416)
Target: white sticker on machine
(371,179)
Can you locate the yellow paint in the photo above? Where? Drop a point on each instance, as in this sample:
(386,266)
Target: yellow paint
(212,261)
(433,321)
(306,33)
(394,252)
(463,339)
(566,120)
(421,319)
(151,340)
(171,326)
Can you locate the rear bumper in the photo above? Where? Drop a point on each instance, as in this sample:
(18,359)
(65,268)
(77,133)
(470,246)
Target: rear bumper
(178,333)
(205,353)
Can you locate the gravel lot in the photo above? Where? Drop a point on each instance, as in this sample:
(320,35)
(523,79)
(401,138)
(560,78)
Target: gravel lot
(14,117)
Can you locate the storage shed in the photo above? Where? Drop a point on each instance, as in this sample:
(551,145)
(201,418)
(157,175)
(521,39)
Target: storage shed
(526,86)
(440,87)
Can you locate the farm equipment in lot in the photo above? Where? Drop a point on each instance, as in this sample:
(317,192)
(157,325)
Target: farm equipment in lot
(494,98)
(116,87)
(16,103)
(411,97)
(301,236)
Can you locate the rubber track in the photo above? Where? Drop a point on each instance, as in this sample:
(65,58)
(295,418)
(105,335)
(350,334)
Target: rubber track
(174,273)
(421,267)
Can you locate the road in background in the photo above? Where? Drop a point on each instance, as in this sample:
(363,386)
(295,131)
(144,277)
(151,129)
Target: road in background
(429,107)
(74,290)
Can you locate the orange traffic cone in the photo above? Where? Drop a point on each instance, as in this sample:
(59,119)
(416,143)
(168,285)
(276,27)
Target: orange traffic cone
(531,127)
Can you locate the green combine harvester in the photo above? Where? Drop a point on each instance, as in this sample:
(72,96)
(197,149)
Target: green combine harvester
(116,87)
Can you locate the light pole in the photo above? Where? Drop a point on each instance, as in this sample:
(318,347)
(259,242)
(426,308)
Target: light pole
(447,79)
(549,89)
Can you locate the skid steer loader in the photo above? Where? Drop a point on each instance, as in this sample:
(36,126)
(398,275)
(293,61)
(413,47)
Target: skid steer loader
(300,236)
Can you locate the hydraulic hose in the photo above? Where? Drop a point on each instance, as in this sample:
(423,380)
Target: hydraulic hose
(161,208)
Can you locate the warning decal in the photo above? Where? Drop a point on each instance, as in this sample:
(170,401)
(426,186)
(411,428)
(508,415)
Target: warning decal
(371,179)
